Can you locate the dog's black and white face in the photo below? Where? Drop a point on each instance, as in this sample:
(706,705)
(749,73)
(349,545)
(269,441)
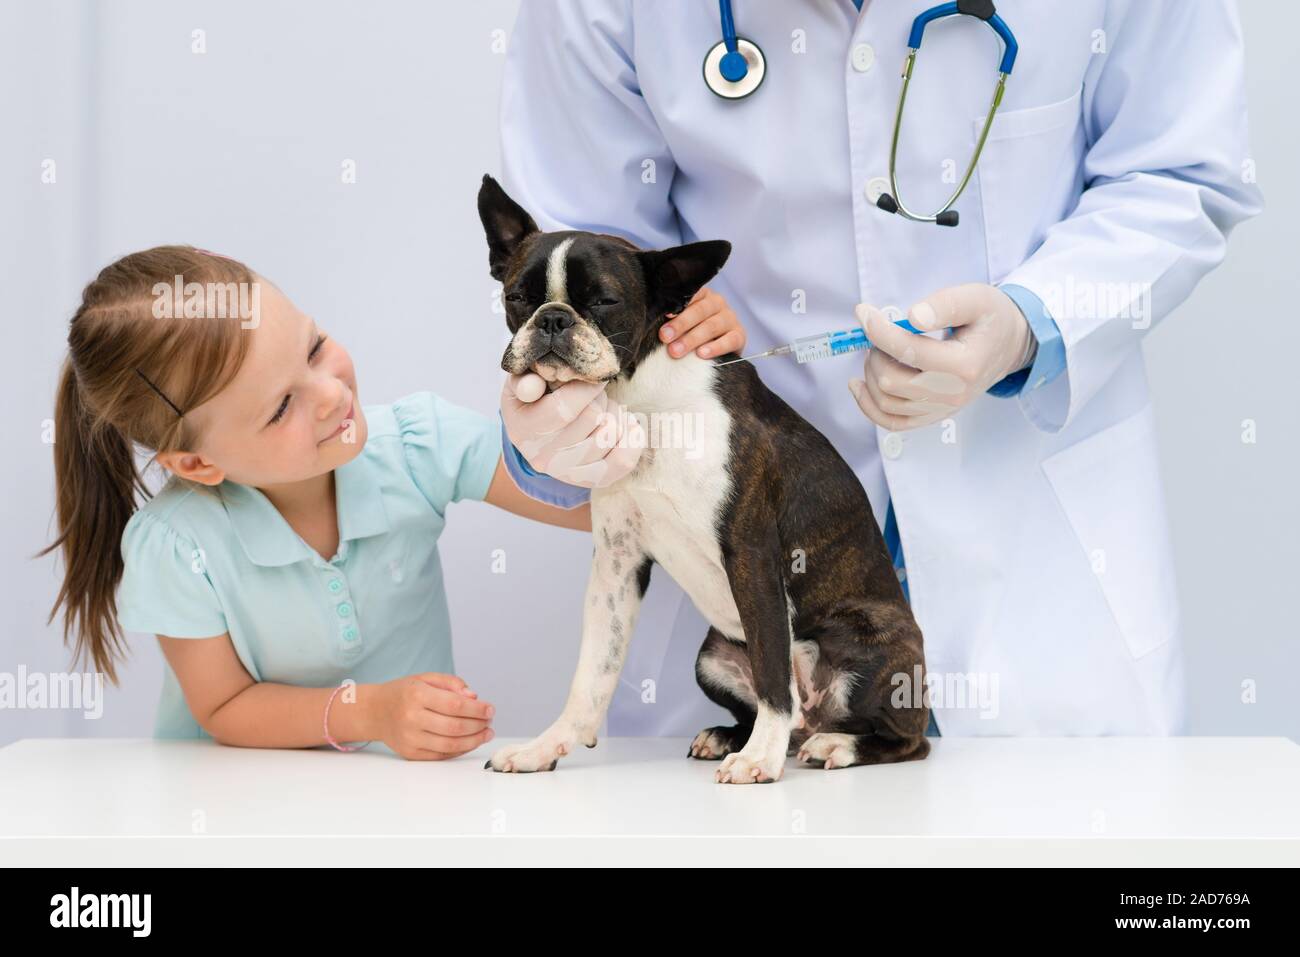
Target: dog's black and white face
(584,305)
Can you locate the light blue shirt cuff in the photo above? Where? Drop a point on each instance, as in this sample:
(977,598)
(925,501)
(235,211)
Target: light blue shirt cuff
(539,485)
(1049,362)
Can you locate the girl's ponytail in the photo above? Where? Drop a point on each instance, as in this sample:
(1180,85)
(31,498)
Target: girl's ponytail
(96,482)
(127,377)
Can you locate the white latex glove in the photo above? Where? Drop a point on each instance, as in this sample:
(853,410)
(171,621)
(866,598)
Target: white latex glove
(912,380)
(574,434)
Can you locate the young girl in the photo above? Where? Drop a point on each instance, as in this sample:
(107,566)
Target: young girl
(289,565)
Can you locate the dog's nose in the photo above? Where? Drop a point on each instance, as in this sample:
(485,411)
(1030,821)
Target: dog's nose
(554,321)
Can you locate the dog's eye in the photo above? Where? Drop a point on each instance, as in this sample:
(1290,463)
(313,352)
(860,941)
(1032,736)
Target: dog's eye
(605,302)
(515,297)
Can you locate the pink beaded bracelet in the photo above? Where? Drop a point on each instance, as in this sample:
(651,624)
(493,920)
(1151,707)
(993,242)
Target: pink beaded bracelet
(326,723)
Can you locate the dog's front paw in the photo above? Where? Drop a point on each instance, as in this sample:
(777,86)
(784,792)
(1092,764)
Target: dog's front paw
(540,754)
(750,768)
(535,755)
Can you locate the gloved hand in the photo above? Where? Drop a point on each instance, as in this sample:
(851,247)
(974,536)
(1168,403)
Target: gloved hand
(912,380)
(574,434)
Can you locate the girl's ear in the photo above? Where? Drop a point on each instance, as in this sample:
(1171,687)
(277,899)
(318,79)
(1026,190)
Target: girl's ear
(192,466)
(506,224)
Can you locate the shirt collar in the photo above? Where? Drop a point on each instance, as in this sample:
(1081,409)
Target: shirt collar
(268,539)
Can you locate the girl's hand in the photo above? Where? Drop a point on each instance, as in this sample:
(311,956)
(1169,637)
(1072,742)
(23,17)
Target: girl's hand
(431,717)
(707,324)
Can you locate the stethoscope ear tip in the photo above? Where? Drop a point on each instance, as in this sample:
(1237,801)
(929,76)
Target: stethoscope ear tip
(890,205)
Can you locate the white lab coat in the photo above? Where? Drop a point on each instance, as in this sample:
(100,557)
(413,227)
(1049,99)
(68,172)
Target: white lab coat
(1033,527)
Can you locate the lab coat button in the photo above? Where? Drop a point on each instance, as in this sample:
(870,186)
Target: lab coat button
(876,186)
(350,634)
(344,610)
(892,446)
(335,586)
(863,57)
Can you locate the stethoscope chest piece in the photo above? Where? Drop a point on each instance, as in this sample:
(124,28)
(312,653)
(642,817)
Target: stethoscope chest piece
(734,74)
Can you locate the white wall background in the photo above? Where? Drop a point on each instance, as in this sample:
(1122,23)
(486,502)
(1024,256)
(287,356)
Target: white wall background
(240,149)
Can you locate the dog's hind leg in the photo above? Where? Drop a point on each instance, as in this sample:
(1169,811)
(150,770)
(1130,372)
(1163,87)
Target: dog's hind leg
(871,707)
(723,673)
(873,731)
(832,749)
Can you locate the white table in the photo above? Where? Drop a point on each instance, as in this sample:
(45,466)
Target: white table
(1075,801)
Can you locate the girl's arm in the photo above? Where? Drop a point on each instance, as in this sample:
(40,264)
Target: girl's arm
(504,493)
(236,710)
(229,705)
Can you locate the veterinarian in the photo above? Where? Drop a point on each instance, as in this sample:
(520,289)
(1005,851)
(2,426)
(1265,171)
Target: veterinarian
(1013,464)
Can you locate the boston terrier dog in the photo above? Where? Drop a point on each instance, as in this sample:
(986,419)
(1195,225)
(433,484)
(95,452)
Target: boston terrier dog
(812,645)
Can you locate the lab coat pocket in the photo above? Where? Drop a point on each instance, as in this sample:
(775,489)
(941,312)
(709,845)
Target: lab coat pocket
(1109,487)
(1030,176)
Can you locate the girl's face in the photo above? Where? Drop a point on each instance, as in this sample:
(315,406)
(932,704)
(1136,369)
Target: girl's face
(290,414)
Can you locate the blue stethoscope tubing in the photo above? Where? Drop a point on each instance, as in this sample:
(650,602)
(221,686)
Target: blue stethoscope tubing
(735,66)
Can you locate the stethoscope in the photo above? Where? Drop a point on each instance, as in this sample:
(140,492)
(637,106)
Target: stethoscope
(735,67)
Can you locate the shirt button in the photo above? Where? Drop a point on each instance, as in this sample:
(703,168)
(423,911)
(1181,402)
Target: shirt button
(876,187)
(349,634)
(344,610)
(892,446)
(863,57)
(335,586)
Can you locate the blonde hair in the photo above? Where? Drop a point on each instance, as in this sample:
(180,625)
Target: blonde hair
(128,380)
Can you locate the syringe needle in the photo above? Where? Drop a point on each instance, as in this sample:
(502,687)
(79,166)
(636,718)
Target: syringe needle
(778,351)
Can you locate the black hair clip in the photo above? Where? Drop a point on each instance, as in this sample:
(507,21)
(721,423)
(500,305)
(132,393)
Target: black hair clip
(160,392)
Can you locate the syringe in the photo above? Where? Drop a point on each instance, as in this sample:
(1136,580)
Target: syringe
(824,346)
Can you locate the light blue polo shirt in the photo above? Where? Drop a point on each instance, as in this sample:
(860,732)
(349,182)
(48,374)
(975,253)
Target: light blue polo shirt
(201,561)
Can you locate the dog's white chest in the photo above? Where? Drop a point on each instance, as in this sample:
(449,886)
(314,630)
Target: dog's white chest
(691,556)
(682,483)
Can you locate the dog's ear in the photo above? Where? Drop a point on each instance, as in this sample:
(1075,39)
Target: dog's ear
(506,225)
(674,275)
